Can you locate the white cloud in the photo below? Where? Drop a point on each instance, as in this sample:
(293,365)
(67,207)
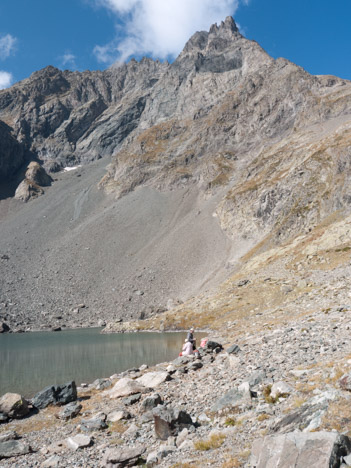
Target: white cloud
(69,60)
(7,46)
(160,28)
(6,79)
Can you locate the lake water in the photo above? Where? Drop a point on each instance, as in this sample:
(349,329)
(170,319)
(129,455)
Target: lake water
(31,361)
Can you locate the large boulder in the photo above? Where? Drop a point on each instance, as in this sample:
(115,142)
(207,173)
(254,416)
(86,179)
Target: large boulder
(154,379)
(300,450)
(55,395)
(125,387)
(170,421)
(37,174)
(31,186)
(13,405)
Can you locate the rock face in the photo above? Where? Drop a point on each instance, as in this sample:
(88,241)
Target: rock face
(12,152)
(316,450)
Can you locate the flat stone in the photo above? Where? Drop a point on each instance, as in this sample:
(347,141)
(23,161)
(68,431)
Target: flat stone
(131,400)
(195,365)
(154,379)
(233,349)
(70,411)
(11,435)
(300,450)
(79,441)
(13,405)
(256,378)
(14,448)
(124,456)
(231,399)
(52,462)
(118,415)
(93,424)
(125,387)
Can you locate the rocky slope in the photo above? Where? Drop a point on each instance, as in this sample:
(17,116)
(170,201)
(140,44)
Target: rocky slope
(217,157)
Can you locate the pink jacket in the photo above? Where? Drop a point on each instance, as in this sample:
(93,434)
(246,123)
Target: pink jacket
(187,349)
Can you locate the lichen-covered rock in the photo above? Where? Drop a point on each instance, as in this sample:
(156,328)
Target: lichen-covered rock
(13,405)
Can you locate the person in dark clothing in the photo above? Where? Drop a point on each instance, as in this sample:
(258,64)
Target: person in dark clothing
(190,337)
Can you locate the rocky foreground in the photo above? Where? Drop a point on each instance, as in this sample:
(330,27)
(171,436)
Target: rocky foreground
(278,398)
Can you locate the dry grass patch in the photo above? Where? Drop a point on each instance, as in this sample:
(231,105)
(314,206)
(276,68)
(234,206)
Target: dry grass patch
(338,416)
(118,426)
(213,442)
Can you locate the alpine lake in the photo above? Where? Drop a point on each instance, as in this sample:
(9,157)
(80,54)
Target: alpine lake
(32,361)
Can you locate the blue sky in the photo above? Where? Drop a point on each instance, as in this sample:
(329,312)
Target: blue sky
(91,34)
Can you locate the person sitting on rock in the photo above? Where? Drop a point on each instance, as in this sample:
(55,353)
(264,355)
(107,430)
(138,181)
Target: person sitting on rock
(187,348)
(190,337)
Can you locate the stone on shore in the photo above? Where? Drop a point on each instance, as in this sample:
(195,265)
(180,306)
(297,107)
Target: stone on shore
(125,387)
(4,328)
(13,405)
(154,379)
(55,395)
(300,450)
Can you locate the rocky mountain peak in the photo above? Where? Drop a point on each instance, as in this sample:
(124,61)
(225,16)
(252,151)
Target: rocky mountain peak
(225,33)
(227,25)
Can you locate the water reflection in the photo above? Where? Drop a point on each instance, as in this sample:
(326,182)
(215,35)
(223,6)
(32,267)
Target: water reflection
(31,361)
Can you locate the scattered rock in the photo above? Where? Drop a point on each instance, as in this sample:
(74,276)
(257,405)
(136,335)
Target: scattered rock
(79,441)
(118,415)
(14,448)
(125,387)
(280,388)
(56,395)
(170,421)
(13,405)
(131,400)
(153,379)
(4,328)
(345,382)
(97,423)
(233,349)
(151,402)
(231,399)
(70,411)
(123,457)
